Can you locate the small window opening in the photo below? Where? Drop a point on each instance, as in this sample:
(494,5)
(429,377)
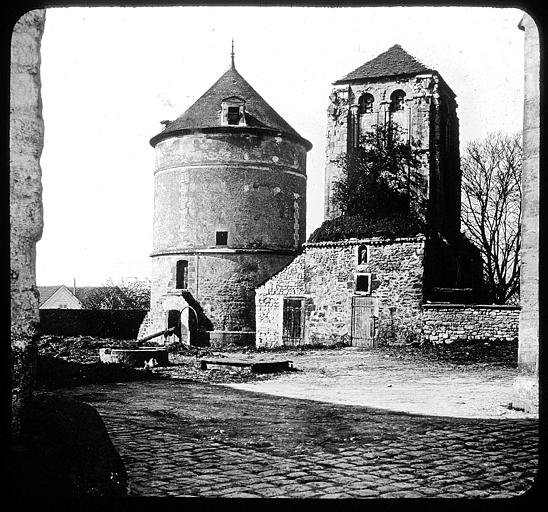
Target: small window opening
(221,238)
(397,100)
(181,278)
(233,115)
(363,283)
(366,104)
(362,254)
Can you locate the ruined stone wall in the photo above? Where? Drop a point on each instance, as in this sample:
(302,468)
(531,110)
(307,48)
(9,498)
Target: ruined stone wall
(429,118)
(446,323)
(325,277)
(530,175)
(26,142)
(345,124)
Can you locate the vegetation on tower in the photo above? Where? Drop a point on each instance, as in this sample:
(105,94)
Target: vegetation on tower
(378,190)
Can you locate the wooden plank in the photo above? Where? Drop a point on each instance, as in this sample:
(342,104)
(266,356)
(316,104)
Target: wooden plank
(251,365)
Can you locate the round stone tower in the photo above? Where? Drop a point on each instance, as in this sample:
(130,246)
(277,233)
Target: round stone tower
(229,212)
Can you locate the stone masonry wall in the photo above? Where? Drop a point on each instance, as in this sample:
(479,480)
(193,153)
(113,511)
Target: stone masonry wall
(324,275)
(529,271)
(221,286)
(269,301)
(252,187)
(415,120)
(26,221)
(444,323)
(429,117)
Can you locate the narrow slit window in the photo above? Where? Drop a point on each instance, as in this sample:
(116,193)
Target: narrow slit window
(221,238)
(181,278)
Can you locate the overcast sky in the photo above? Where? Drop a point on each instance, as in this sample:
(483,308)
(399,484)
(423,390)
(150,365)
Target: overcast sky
(110,75)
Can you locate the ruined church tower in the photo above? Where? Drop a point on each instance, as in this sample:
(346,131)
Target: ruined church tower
(229,211)
(395,87)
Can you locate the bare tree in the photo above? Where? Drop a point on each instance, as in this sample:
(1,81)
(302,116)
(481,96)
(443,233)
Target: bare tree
(491,209)
(130,294)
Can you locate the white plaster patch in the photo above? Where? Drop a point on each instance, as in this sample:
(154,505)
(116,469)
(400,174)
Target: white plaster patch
(276,190)
(275,159)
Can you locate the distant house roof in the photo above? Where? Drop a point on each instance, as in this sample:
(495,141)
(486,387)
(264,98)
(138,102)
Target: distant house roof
(80,292)
(46,292)
(205,112)
(59,296)
(393,62)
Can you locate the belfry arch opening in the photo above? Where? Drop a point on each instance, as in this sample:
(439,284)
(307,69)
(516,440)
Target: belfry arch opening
(365,103)
(397,100)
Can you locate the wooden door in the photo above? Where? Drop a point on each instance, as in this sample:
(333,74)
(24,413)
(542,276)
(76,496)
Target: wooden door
(364,321)
(293,321)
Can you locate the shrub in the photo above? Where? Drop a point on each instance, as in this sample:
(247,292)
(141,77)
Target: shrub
(393,225)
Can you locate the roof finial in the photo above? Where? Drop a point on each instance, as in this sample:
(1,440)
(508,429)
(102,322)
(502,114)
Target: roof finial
(232,56)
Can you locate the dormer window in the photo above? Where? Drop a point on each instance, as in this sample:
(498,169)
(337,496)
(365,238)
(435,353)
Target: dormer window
(233,115)
(233,111)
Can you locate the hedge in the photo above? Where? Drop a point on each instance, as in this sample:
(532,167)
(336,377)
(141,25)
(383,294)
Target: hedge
(394,225)
(119,324)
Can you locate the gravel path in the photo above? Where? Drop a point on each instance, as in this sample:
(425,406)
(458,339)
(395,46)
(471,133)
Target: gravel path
(376,379)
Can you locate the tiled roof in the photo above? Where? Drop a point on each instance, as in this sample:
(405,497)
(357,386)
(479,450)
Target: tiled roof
(82,292)
(393,62)
(46,292)
(206,111)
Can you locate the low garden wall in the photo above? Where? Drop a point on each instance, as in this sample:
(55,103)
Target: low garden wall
(445,323)
(119,324)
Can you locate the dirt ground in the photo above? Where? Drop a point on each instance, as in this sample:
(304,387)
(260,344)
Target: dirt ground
(458,380)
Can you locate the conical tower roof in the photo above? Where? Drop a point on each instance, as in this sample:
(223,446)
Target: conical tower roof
(393,62)
(205,112)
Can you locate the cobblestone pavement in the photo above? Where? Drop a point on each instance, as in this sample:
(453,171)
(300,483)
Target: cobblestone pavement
(183,438)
